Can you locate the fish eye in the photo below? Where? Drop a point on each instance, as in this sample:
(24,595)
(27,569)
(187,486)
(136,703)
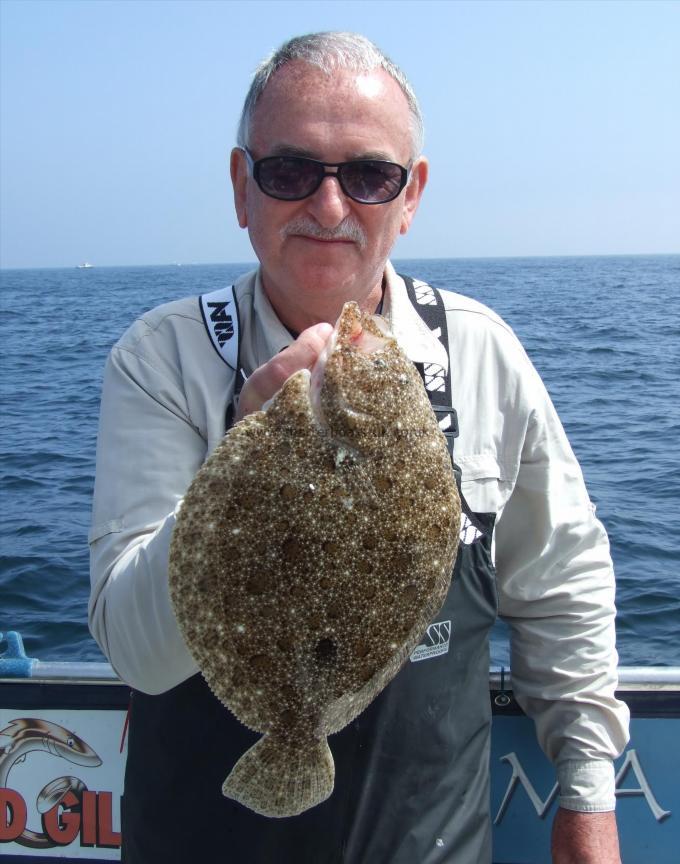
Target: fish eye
(70,743)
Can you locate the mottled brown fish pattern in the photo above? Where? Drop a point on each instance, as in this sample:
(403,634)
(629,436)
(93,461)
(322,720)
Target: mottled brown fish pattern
(311,552)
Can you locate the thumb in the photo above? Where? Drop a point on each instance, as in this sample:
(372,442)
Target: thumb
(268,379)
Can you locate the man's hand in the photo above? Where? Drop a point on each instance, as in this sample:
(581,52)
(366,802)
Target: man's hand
(585,838)
(268,379)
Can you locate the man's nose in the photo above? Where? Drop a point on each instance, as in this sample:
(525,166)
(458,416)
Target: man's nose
(329,205)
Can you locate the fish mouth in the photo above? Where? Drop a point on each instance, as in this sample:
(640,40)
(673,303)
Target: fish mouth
(74,750)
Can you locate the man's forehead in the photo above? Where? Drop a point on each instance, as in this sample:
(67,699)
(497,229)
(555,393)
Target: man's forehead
(298,82)
(343,98)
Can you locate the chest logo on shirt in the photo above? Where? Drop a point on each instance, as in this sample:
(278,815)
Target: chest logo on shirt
(435,642)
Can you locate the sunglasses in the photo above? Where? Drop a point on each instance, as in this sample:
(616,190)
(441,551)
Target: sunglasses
(292,178)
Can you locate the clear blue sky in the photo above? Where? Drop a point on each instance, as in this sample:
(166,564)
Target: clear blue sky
(552,127)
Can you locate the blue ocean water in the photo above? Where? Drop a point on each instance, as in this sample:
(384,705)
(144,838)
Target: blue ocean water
(604,332)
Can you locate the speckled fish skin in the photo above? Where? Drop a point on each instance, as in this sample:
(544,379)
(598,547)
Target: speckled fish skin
(312,550)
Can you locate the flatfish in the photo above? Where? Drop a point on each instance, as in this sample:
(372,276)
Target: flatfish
(311,552)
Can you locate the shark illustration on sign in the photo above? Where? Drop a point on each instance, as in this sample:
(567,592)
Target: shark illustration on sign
(28,734)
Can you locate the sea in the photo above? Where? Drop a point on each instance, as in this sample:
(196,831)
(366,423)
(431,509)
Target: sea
(604,333)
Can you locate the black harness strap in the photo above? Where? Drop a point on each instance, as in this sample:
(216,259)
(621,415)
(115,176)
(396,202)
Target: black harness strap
(219,310)
(428,303)
(233,402)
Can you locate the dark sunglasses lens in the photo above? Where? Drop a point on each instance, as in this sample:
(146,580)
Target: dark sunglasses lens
(288,177)
(373,182)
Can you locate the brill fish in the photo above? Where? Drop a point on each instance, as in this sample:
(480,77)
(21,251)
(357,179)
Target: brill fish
(312,550)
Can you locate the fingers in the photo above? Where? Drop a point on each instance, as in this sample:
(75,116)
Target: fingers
(268,379)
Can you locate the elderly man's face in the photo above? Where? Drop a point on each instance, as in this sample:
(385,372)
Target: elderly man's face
(333,119)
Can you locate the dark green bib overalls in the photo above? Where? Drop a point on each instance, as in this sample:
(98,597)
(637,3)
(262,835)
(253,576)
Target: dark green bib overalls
(412,771)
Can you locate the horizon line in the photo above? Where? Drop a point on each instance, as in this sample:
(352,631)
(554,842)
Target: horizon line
(254,263)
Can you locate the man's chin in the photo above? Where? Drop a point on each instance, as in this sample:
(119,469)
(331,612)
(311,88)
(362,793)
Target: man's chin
(327,271)
(304,277)
(318,279)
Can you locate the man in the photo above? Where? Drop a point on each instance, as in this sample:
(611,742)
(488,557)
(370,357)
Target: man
(412,771)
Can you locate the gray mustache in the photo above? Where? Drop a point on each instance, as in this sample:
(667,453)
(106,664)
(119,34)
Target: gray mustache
(346,230)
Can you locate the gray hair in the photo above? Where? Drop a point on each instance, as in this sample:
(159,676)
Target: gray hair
(328,52)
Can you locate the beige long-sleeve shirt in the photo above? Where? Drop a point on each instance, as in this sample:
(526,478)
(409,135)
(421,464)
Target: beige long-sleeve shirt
(165,395)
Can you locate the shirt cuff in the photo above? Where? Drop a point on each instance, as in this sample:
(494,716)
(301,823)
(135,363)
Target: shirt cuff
(587,786)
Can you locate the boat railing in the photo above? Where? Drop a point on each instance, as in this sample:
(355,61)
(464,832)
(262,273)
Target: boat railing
(16,666)
(631,678)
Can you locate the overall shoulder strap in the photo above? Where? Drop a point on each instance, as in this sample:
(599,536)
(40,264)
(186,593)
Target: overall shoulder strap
(220,316)
(428,303)
(219,311)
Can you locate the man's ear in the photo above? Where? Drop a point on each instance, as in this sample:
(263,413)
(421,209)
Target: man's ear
(413,192)
(238,168)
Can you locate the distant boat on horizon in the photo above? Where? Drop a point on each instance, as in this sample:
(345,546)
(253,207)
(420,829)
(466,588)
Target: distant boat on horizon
(85,266)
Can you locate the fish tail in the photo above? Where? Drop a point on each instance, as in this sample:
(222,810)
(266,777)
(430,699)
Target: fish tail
(275,779)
